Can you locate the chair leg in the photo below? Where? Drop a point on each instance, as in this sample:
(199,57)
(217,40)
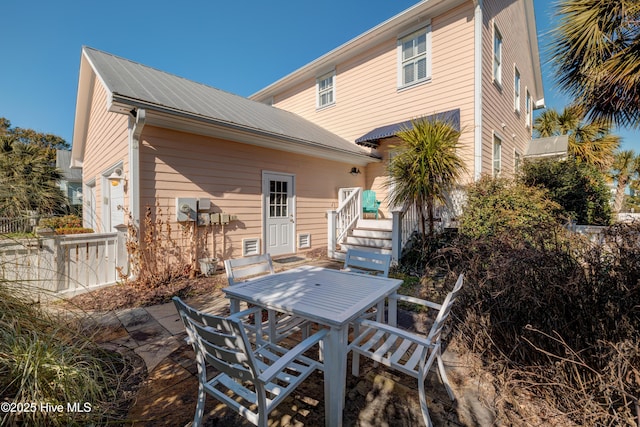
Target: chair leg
(423,404)
(443,376)
(202,395)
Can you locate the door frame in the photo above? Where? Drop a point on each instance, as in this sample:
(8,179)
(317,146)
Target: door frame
(266,175)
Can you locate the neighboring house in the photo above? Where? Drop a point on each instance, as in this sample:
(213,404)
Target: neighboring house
(71,182)
(278,162)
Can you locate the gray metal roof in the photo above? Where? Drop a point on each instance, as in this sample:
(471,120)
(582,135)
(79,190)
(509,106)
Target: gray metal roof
(138,85)
(63,162)
(553,146)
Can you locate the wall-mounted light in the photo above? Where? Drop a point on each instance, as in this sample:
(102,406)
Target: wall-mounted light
(354,171)
(116,177)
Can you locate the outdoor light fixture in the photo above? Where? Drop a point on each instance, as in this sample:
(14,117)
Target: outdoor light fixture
(354,171)
(116,177)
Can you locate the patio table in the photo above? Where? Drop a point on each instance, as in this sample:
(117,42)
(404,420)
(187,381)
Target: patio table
(331,298)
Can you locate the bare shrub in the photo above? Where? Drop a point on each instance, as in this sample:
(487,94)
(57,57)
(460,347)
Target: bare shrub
(556,316)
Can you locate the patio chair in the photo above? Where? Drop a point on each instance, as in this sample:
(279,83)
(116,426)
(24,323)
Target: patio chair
(369,202)
(251,380)
(278,325)
(367,262)
(404,351)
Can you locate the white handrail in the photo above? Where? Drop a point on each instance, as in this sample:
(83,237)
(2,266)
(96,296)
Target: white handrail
(348,213)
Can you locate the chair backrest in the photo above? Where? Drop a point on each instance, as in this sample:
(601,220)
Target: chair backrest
(220,341)
(445,310)
(369,199)
(367,262)
(240,268)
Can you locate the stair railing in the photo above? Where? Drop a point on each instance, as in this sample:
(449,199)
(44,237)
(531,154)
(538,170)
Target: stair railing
(343,219)
(405,222)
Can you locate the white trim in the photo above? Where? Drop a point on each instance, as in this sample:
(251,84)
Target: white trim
(415,31)
(331,74)
(496,135)
(497,34)
(517,89)
(477,82)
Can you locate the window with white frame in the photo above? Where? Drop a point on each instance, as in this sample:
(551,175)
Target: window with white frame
(516,91)
(527,106)
(326,94)
(414,57)
(497,56)
(497,155)
(517,161)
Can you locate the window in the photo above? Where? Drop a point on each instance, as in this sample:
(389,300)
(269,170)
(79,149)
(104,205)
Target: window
(517,161)
(326,90)
(497,155)
(527,106)
(516,91)
(414,61)
(497,56)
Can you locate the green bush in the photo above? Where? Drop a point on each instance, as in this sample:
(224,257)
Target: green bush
(579,188)
(68,224)
(496,206)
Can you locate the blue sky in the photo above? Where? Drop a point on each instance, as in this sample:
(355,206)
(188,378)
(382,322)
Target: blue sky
(239,47)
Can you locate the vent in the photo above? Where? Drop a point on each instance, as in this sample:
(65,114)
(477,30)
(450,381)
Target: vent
(250,247)
(304,241)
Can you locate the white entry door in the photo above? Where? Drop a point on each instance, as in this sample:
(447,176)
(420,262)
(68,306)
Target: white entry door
(279,213)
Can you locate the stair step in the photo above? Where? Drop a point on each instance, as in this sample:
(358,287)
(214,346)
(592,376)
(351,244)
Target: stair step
(369,241)
(346,246)
(371,233)
(375,224)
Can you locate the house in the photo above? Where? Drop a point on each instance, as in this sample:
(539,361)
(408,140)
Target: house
(71,182)
(279,170)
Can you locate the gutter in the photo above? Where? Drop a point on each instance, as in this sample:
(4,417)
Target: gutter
(137,119)
(477,82)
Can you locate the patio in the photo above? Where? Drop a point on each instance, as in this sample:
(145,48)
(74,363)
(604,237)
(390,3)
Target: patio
(377,397)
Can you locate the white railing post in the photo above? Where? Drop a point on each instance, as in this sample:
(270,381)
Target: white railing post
(331,233)
(122,256)
(396,235)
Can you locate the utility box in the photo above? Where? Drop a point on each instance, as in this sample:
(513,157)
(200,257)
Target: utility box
(215,218)
(204,205)
(204,219)
(186,208)
(224,218)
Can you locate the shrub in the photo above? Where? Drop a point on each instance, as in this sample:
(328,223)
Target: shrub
(579,188)
(68,224)
(497,206)
(556,317)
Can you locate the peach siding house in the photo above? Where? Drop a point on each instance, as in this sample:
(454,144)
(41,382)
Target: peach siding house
(279,163)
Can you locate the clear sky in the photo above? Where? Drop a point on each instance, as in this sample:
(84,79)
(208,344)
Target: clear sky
(237,46)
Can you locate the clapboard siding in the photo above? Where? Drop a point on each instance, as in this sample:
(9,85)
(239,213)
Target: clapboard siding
(367,95)
(230,175)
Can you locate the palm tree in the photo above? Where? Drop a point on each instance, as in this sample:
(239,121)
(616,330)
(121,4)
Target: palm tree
(596,51)
(28,180)
(626,166)
(589,142)
(425,167)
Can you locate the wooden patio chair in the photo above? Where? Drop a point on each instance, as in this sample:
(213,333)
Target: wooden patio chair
(278,325)
(369,202)
(407,352)
(252,379)
(367,262)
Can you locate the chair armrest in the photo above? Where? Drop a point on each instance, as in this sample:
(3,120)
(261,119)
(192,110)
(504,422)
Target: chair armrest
(417,339)
(418,301)
(245,313)
(273,370)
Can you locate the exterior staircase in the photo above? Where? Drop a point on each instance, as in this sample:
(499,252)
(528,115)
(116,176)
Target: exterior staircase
(368,235)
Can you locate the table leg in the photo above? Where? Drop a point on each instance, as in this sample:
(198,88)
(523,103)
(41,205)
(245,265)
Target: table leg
(335,375)
(393,310)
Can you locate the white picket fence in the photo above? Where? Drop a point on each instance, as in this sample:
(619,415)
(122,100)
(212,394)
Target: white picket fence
(64,264)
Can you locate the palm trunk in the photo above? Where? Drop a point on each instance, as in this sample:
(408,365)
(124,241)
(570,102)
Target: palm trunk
(619,199)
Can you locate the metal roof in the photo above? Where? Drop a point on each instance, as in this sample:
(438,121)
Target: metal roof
(371,139)
(131,83)
(63,162)
(553,146)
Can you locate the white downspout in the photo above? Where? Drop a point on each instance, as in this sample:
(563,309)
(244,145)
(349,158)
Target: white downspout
(136,124)
(477,82)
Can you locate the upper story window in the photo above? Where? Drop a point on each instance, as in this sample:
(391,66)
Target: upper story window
(516,91)
(326,90)
(414,57)
(497,155)
(497,56)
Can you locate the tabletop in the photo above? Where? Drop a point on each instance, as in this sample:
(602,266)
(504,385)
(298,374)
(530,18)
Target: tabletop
(328,296)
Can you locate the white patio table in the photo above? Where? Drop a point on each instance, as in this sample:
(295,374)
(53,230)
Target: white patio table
(330,298)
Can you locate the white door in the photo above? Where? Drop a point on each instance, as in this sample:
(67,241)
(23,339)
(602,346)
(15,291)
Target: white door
(279,216)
